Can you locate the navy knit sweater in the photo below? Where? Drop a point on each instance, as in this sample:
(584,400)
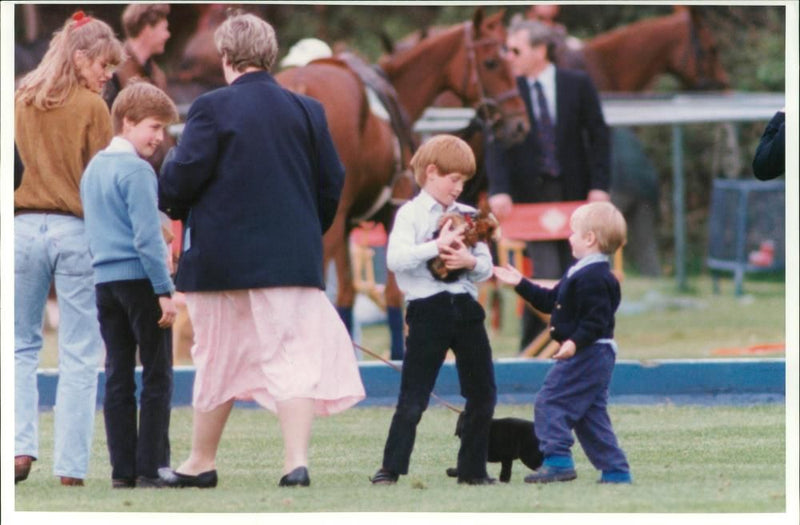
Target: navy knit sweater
(581,306)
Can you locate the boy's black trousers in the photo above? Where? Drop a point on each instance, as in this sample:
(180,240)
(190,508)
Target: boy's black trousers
(128,312)
(435,324)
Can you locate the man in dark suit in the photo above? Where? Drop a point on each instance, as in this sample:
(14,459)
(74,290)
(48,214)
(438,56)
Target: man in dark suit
(566,155)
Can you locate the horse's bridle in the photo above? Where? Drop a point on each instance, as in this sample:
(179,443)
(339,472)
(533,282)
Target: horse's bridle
(488,109)
(705,77)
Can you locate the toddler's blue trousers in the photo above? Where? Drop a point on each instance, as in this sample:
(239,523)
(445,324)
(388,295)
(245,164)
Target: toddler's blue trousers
(575,397)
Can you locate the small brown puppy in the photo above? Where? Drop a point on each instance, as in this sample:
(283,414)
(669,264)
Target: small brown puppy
(480,227)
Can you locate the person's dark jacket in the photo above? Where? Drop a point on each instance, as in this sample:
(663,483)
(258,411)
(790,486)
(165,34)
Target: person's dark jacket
(770,159)
(582,145)
(256,180)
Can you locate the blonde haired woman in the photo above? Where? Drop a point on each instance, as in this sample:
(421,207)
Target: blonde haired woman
(61,121)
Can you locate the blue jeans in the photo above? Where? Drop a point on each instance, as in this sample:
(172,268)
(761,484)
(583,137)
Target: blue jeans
(48,247)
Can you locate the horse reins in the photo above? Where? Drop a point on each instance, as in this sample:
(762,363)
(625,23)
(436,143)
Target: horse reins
(695,47)
(486,104)
(394,366)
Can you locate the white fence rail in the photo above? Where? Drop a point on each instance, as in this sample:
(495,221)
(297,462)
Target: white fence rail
(646,110)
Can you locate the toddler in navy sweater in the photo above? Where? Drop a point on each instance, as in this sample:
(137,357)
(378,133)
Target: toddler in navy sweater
(575,391)
(132,284)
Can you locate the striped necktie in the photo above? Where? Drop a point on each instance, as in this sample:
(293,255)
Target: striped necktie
(547,134)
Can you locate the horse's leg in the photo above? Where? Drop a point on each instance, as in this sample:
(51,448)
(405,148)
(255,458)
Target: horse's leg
(337,248)
(346,295)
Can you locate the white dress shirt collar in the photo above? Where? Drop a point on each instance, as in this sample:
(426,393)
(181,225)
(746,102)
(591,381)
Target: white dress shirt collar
(430,203)
(586,261)
(121,145)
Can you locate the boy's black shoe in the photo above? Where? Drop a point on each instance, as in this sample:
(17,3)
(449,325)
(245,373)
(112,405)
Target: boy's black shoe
(145,482)
(384,477)
(123,483)
(477,481)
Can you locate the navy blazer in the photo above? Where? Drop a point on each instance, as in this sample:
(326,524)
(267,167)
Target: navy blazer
(257,180)
(582,145)
(581,307)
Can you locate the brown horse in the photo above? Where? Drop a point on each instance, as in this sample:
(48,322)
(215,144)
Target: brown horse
(464,59)
(630,58)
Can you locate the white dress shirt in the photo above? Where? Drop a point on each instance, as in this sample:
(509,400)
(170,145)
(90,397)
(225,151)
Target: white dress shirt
(547,78)
(411,245)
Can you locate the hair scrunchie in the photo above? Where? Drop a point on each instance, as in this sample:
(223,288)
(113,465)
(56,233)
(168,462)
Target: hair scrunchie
(81,19)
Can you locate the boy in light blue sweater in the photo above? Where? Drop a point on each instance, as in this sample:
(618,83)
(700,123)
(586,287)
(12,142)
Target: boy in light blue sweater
(133,284)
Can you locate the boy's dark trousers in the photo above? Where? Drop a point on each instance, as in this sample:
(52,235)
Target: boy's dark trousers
(128,312)
(575,397)
(435,324)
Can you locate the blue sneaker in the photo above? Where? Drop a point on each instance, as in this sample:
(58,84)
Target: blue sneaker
(615,477)
(548,474)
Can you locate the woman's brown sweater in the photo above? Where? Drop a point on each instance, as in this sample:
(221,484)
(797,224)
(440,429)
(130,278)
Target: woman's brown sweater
(55,146)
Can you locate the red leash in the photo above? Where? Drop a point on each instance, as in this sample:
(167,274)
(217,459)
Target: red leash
(381,358)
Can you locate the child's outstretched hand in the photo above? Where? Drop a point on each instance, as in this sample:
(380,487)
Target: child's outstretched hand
(507,274)
(566,350)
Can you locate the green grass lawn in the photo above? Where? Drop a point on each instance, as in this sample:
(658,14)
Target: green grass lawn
(684,459)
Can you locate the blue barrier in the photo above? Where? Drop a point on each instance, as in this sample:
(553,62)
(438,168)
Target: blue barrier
(682,380)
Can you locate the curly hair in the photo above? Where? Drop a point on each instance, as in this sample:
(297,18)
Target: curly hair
(246,40)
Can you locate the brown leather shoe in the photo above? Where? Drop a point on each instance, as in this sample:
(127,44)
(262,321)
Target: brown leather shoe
(22,467)
(71,482)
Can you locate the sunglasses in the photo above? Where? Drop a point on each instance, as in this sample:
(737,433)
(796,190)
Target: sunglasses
(515,51)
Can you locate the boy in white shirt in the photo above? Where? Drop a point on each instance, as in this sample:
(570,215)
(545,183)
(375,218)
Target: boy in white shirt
(440,315)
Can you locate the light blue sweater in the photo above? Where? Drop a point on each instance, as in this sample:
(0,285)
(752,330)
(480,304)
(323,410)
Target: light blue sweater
(120,205)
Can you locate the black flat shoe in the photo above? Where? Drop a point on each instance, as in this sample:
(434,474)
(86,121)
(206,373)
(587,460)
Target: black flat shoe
(297,477)
(204,480)
(477,481)
(384,477)
(123,483)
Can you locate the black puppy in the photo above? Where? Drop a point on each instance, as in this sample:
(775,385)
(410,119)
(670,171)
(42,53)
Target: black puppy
(510,438)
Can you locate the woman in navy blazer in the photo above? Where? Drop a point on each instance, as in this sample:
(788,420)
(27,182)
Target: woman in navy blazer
(256,180)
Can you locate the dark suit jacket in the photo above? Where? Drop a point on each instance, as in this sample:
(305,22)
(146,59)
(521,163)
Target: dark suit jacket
(582,145)
(581,307)
(257,179)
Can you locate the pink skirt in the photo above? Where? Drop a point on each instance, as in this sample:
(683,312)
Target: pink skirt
(269,345)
